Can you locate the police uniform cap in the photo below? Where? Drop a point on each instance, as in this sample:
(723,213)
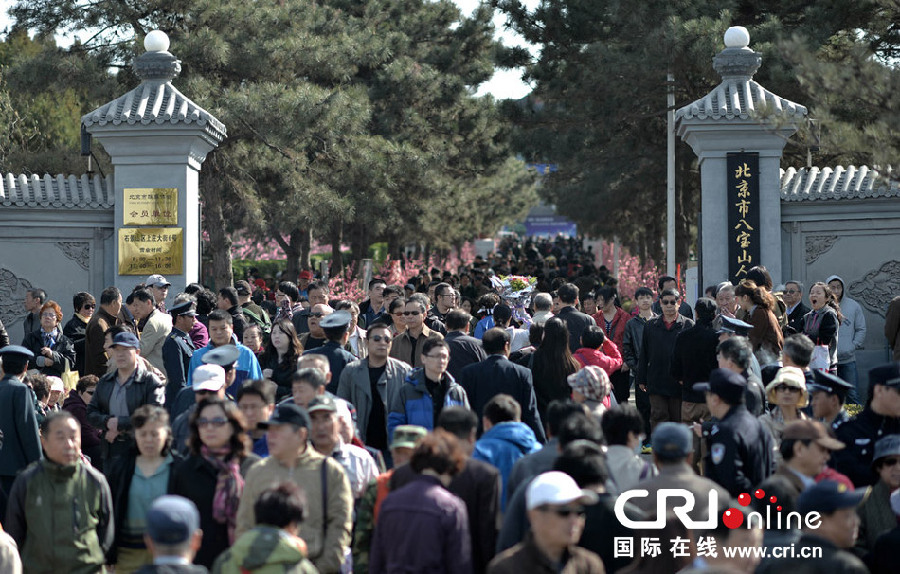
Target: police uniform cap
(829,383)
(336,320)
(724,383)
(183,308)
(224,356)
(732,325)
(16,350)
(887,375)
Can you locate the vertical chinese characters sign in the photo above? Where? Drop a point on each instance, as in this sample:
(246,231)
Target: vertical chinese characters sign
(743,214)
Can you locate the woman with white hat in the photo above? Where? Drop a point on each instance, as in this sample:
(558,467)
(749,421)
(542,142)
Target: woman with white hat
(787,393)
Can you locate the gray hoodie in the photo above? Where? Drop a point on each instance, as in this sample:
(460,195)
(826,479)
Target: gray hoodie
(852,332)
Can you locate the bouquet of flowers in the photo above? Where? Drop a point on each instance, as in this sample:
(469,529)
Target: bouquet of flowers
(515,289)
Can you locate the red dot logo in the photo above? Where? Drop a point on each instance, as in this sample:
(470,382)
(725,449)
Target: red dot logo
(760,493)
(778,508)
(733,518)
(744,499)
(773,499)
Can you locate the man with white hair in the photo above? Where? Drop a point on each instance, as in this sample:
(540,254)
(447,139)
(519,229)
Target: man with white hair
(542,303)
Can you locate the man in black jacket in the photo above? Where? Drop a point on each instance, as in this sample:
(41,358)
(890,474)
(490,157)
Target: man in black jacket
(576,321)
(173,536)
(464,349)
(497,374)
(120,392)
(478,485)
(796,310)
(654,364)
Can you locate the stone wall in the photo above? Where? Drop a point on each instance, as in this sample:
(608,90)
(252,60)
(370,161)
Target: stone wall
(55,233)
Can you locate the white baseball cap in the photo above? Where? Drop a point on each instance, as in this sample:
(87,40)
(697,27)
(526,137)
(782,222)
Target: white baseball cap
(56,384)
(208,378)
(556,488)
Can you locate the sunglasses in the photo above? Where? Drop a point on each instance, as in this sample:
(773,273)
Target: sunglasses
(566,512)
(890,461)
(787,389)
(791,291)
(217,422)
(89,392)
(668,302)
(412,312)
(379,338)
(92,306)
(319,315)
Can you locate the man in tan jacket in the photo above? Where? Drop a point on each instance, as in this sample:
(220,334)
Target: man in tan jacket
(326,529)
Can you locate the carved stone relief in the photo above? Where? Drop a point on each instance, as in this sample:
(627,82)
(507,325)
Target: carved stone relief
(12,297)
(818,245)
(77,251)
(877,287)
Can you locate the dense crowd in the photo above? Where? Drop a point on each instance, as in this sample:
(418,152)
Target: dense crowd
(451,424)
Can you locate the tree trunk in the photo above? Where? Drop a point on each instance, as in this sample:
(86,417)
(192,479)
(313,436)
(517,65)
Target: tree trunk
(219,241)
(291,250)
(395,249)
(305,248)
(337,261)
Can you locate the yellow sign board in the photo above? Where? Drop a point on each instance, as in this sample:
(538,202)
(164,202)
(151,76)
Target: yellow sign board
(150,250)
(150,206)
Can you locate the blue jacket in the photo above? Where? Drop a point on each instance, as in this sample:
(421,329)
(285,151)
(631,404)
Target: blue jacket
(502,446)
(247,367)
(413,405)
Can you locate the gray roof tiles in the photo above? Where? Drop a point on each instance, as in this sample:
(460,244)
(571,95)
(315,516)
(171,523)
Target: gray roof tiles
(815,184)
(740,98)
(154,102)
(57,192)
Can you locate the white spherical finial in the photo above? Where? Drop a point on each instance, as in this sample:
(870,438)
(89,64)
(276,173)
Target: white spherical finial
(737,37)
(156,41)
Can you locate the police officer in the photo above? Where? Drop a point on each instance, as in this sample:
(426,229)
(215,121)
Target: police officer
(728,327)
(178,349)
(21,443)
(827,393)
(740,449)
(879,418)
(336,327)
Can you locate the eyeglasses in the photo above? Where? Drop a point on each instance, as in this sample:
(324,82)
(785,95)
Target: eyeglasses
(48,315)
(890,461)
(791,291)
(412,312)
(217,422)
(787,389)
(668,301)
(379,338)
(565,512)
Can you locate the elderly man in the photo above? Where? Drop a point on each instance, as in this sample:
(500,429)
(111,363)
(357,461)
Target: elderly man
(34,300)
(60,508)
(368,383)
(119,393)
(805,449)
(556,511)
(155,327)
(326,438)
(326,528)
(796,310)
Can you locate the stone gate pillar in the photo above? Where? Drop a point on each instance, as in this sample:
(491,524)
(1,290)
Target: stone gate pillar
(157,139)
(738,132)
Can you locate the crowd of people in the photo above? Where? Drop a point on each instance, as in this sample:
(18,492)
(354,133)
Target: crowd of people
(443,426)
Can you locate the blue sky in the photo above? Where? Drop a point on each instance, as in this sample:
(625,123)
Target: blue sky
(505,83)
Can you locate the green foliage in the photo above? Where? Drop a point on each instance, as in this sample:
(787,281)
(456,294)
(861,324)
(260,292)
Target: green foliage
(347,117)
(598,110)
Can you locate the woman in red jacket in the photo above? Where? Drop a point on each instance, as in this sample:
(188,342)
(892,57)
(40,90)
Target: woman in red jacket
(612,318)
